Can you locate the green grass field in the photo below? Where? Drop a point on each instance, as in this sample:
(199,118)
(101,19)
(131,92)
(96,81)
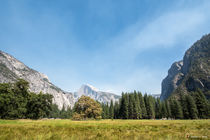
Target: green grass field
(104,129)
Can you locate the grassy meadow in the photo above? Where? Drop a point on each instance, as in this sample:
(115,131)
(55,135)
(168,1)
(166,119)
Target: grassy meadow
(104,129)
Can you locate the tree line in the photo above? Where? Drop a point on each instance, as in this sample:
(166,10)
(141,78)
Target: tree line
(17,102)
(137,106)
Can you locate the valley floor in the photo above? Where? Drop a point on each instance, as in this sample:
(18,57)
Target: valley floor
(104,129)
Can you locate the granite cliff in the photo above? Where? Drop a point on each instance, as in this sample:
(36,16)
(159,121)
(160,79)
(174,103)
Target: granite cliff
(12,69)
(89,90)
(192,73)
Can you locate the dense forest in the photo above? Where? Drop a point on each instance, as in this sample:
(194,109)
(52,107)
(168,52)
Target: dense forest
(16,102)
(136,106)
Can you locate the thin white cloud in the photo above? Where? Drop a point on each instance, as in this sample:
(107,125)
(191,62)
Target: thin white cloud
(182,26)
(164,31)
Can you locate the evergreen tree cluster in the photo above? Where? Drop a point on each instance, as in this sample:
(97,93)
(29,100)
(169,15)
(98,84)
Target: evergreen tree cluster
(64,113)
(136,106)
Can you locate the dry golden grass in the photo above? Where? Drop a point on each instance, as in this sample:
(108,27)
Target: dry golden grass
(104,129)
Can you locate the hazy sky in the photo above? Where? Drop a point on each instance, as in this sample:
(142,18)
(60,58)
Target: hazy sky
(114,45)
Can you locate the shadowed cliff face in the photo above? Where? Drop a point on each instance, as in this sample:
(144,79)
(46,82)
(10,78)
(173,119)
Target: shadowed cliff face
(172,81)
(191,73)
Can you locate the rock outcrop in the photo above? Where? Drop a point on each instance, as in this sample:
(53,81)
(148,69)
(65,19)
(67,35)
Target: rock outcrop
(190,74)
(12,69)
(171,82)
(89,90)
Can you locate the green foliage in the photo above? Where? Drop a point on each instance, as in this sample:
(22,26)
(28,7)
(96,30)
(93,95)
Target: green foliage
(116,110)
(202,104)
(39,106)
(134,106)
(124,113)
(192,108)
(178,114)
(142,106)
(168,108)
(158,108)
(64,113)
(163,110)
(55,112)
(137,107)
(185,110)
(131,106)
(16,102)
(105,111)
(111,110)
(86,108)
(149,106)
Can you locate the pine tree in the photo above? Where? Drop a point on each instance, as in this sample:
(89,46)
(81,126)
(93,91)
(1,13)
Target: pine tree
(202,104)
(116,110)
(107,111)
(69,113)
(172,107)
(124,107)
(192,109)
(131,106)
(149,106)
(137,107)
(103,114)
(186,113)
(168,108)
(157,108)
(63,113)
(111,110)
(122,102)
(163,110)
(178,110)
(55,112)
(142,106)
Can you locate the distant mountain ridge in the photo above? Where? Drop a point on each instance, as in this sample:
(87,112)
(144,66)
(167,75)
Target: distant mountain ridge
(12,69)
(191,73)
(89,90)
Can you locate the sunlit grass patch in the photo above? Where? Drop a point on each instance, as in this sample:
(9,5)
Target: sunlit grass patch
(103,129)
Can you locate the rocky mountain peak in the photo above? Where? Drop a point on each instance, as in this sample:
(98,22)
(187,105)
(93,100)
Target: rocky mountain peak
(12,69)
(91,91)
(191,73)
(88,87)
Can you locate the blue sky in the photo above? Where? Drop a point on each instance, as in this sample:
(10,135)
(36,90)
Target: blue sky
(114,45)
